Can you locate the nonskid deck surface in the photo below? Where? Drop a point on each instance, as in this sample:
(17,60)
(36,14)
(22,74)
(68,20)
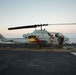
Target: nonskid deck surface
(29,60)
(37,63)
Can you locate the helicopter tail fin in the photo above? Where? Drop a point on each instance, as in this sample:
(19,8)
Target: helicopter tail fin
(1,36)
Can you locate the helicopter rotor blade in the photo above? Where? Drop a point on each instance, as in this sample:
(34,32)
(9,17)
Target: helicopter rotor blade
(63,24)
(30,26)
(42,25)
(22,27)
(39,25)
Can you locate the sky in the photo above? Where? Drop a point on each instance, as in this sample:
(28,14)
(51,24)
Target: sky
(28,12)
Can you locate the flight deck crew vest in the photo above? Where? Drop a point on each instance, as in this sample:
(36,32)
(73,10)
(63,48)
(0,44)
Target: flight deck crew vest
(37,41)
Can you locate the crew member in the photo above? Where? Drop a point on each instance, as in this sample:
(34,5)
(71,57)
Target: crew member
(60,39)
(37,41)
(52,41)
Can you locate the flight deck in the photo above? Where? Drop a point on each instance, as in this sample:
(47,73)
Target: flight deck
(36,61)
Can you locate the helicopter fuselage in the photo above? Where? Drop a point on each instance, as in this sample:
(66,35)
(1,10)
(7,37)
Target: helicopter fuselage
(43,36)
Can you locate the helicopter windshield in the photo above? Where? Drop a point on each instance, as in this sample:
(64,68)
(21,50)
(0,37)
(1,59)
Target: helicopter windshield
(31,36)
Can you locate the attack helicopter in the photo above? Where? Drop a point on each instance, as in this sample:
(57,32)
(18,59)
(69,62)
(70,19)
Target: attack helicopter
(43,35)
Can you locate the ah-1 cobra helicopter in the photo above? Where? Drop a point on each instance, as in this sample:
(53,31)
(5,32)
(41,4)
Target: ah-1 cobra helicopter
(42,34)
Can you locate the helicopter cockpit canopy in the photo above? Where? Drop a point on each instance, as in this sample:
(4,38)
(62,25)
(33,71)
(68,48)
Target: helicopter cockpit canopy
(26,35)
(59,35)
(40,31)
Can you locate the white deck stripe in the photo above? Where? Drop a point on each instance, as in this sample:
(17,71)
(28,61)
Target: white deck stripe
(74,53)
